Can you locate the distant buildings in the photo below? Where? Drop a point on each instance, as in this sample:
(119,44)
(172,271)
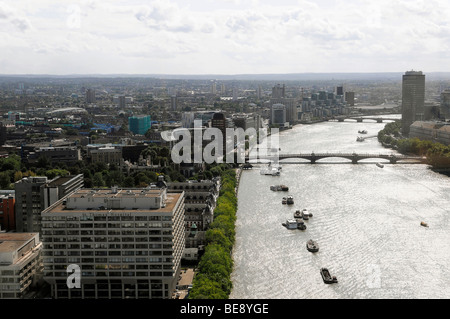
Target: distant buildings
(21,264)
(413,99)
(139,124)
(350,98)
(173,102)
(90,96)
(220,122)
(445,104)
(278,114)
(127,242)
(431,130)
(200,202)
(34,194)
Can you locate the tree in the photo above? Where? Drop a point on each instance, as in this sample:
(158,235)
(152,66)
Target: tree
(98,180)
(5,180)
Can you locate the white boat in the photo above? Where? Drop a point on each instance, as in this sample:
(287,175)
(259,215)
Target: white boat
(290,224)
(271,170)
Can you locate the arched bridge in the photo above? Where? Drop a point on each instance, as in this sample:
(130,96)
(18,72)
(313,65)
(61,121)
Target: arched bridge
(353,157)
(361,119)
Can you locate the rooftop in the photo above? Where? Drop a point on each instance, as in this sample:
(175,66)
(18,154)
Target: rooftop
(13,241)
(131,201)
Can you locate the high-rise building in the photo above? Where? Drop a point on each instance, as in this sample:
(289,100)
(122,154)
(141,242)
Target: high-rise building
(34,194)
(278,115)
(21,264)
(139,124)
(278,91)
(121,101)
(128,243)
(339,90)
(445,104)
(90,96)
(173,102)
(290,104)
(350,98)
(413,99)
(219,121)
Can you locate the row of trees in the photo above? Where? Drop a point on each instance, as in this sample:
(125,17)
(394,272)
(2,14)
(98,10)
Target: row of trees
(213,280)
(437,154)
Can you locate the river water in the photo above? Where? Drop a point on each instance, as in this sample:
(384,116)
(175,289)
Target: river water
(366,221)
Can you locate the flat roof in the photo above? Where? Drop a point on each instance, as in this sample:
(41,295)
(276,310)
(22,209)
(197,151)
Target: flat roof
(171,201)
(13,241)
(61,180)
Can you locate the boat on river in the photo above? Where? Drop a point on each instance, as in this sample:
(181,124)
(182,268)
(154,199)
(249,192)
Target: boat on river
(274,171)
(305,214)
(362,132)
(301,224)
(326,276)
(312,246)
(380,165)
(279,188)
(290,200)
(423,224)
(360,139)
(290,224)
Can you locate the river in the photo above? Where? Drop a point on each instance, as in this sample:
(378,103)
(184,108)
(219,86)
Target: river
(366,220)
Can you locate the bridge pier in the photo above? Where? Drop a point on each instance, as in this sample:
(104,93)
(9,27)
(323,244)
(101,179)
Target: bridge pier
(359,120)
(393,160)
(379,120)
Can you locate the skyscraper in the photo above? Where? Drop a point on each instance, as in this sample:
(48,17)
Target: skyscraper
(413,99)
(90,96)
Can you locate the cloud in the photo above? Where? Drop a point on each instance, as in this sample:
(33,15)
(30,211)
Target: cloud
(10,19)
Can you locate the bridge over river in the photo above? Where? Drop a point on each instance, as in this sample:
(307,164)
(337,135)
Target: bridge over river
(360,119)
(352,157)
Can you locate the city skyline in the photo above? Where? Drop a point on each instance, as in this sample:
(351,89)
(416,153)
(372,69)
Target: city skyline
(227,37)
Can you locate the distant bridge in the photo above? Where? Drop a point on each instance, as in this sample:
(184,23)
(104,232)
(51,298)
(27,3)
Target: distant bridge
(361,119)
(353,157)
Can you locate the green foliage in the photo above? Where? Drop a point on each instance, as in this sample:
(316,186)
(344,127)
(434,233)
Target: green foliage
(438,155)
(213,281)
(52,173)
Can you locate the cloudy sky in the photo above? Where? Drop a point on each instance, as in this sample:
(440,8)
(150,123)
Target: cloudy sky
(223,36)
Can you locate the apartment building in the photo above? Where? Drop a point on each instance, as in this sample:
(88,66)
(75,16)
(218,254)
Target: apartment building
(20,263)
(35,193)
(127,242)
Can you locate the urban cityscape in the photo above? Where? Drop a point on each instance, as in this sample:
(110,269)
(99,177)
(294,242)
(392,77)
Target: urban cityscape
(192,186)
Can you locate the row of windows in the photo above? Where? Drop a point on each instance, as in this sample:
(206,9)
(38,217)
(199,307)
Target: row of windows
(46,225)
(112,260)
(103,232)
(106,218)
(109,253)
(113,274)
(105,246)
